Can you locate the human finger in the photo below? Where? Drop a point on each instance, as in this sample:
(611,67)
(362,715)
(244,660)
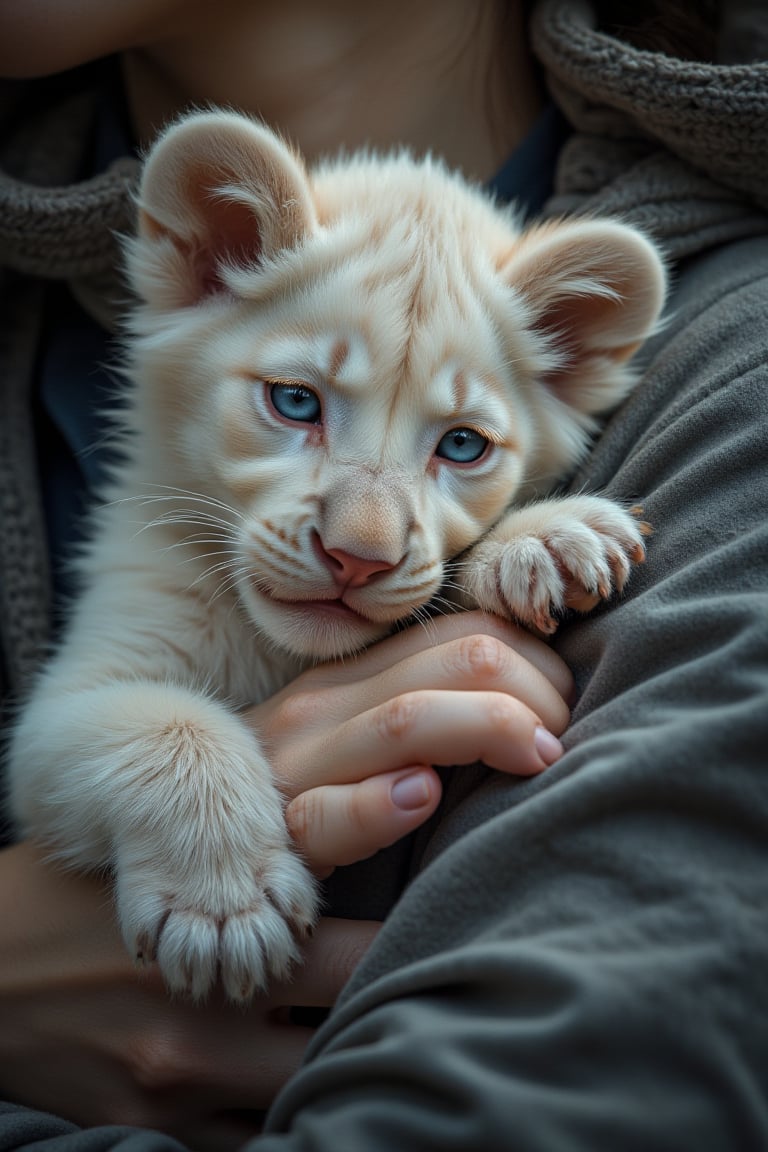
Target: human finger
(196,1059)
(442,630)
(477,662)
(246,1074)
(303,724)
(428,727)
(340,824)
(328,960)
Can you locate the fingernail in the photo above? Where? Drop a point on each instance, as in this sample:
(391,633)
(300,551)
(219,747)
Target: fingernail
(547,746)
(410,792)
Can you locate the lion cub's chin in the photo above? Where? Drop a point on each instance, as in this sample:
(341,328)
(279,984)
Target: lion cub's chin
(322,629)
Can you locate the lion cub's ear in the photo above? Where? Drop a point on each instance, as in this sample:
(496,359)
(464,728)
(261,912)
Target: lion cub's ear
(218,190)
(594,291)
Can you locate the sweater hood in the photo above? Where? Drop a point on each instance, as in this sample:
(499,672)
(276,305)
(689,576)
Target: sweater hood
(678,147)
(55,225)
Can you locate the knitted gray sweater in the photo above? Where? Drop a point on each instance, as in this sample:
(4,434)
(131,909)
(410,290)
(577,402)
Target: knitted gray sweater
(578,961)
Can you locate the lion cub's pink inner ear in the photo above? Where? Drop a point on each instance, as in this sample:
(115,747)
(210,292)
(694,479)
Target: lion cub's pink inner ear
(595,290)
(232,236)
(218,189)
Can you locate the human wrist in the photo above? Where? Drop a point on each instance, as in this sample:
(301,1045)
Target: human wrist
(56,926)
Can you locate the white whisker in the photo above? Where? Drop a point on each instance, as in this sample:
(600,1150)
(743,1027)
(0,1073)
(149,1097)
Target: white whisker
(144,498)
(198,497)
(423,619)
(453,584)
(230,584)
(444,606)
(192,516)
(231,553)
(198,538)
(212,570)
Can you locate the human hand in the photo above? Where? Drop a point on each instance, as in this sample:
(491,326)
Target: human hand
(87,1037)
(352,742)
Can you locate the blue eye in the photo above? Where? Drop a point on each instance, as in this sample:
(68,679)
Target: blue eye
(296,402)
(462,446)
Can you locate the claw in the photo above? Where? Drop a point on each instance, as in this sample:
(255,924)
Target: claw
(545,623)
(644,528)
(301,930)
(146,949)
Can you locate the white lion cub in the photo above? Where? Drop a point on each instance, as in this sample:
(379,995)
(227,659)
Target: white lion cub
(342,381)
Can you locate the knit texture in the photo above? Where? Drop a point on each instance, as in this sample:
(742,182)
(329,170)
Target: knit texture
(676,147)
(708,114)
(63,233)
(53,225)
(24,582)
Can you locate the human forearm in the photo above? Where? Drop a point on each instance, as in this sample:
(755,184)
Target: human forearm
(74,1008)
(62,925)
(86,1036)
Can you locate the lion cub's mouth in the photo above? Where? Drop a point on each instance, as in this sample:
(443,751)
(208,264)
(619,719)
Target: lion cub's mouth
(334,607)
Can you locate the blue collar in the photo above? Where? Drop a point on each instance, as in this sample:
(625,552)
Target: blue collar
(527,177)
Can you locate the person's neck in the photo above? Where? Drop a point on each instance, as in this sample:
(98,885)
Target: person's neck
(429,74)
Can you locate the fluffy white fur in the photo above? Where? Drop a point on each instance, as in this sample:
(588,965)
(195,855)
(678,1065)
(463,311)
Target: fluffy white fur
(239,541)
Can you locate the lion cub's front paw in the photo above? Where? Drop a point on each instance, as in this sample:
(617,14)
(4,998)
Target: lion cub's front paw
(239,925)
(568,553)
